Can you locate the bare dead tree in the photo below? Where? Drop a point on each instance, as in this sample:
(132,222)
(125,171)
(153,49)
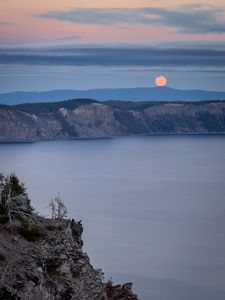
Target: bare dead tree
(58,208)
(52,206)
(2,186)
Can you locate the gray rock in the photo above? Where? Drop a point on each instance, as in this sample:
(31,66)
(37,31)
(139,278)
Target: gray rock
(42,259)
(47,121)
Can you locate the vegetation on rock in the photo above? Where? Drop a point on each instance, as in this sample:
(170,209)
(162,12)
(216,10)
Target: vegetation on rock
(92,119)
(31,232)
(14,201)
(58,208)
(42,258)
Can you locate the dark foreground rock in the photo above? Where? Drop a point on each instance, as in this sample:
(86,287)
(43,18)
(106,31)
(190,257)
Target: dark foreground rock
(42,258)
(120,292)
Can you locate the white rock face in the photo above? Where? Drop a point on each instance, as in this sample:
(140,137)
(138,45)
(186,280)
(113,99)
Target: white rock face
(90,119)
(63,111)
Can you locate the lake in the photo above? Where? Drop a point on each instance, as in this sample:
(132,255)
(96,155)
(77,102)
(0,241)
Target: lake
(153,207)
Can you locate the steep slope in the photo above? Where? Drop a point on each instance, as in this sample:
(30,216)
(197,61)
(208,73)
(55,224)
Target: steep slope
(42,258)
(92,119)
(175,118)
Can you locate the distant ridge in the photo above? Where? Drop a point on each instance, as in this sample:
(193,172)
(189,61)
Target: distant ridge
(127,94)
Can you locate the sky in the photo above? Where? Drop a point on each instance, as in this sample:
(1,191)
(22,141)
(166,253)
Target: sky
(77,44)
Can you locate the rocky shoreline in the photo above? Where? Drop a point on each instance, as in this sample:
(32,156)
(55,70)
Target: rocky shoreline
(90,119)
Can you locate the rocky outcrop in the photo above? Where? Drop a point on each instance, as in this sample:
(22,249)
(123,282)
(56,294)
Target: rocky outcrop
(174,118)
(120,292)
(42,258)
(54,267)
(92,119)
(16,126)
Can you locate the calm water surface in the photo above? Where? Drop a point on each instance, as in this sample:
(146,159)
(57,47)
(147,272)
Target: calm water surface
(153,207)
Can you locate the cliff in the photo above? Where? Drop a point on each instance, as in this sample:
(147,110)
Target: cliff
(42,258)
(93,119)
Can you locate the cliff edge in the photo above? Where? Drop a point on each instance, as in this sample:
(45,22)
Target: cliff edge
(42,258)
(91,119)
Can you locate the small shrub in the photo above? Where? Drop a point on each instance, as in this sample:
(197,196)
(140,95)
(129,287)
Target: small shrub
(109,283)
(51,227)
(31,232)
(109,288)
(52,264)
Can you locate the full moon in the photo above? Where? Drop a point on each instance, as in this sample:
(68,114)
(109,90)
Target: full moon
(161,81)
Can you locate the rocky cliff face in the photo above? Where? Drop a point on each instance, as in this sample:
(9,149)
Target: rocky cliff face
(92,119)
(42,259)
